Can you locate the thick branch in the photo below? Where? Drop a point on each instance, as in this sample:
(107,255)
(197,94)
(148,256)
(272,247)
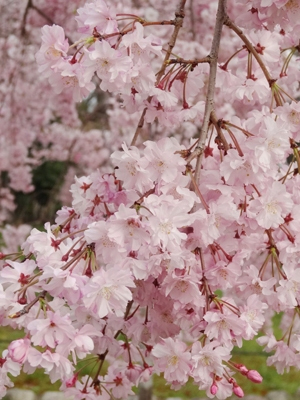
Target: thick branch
(193,63)
(29,6)
(42,14)
(179,16)
(209,104)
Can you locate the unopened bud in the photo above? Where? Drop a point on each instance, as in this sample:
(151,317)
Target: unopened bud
(254,376)
(71,382)
(213,389)
(243,369)
(238,391)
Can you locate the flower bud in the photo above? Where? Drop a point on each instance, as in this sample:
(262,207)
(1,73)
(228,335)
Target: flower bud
(254,376)
(71,382)
(238,391)
(213,389)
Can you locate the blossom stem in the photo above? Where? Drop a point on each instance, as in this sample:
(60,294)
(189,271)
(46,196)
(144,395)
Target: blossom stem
(287,61)
(241,154)
(102,359)
(217,124)
(283,178)
(205,205)
(231,307)
(246,133)
(291,327)
(263,267)
(225,65)
(296,155)
(132,314)
(76,257)
(249,66)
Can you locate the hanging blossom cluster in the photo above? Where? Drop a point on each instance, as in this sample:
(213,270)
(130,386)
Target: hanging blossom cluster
(162,266)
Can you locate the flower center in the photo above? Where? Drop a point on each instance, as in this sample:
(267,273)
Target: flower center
(292,5)
(166,227)
(294,117)
(173,361)
(70,81)
(182,286)
(53,53)
(271,207)
(131,168)
(106,292)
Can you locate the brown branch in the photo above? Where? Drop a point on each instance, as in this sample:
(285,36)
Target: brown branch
(250,48)
(192,17)
(209,103)
(147,23)
(46,17)
(179,16)
(194,62)
(26,309)
(23,26)
(42,14)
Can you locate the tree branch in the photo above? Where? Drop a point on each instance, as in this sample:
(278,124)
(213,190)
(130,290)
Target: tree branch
(179,16)
(23,26)
(209,104)
(250,48)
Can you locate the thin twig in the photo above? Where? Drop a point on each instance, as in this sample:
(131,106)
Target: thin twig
(179,16)
(209,104)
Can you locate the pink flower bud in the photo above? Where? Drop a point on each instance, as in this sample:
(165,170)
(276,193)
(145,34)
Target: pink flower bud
(71,382)
(213,389)
(254,376)
(238,391)
(18,350)
(243,369)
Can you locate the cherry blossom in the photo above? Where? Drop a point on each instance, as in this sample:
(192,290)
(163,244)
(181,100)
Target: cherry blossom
(174,360)
(108,291)
(180,240)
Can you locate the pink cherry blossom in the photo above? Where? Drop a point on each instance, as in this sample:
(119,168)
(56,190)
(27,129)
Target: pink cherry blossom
(51,331)
(96,14)
(54,47)
(179,238)
(108,291)
(174,360)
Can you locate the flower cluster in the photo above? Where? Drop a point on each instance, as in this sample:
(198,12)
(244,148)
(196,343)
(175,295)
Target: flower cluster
(187,246)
